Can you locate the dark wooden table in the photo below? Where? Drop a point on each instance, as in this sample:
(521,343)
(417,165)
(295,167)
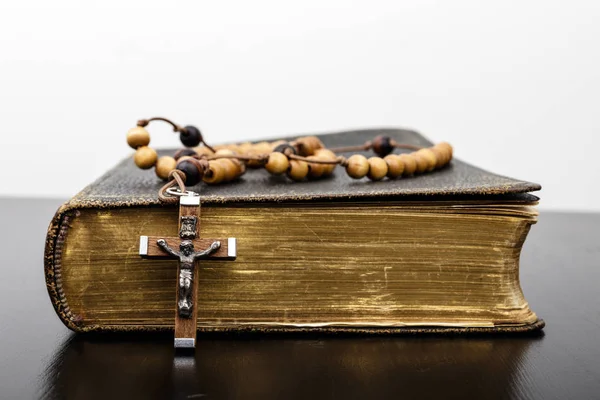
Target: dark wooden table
(560,276)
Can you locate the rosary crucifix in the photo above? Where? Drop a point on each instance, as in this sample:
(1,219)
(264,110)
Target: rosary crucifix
(187,283)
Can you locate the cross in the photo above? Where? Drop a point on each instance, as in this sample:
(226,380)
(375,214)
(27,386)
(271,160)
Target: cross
(189,249)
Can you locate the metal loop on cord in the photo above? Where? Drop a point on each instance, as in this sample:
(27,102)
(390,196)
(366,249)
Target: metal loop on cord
(166,194)
(177,192)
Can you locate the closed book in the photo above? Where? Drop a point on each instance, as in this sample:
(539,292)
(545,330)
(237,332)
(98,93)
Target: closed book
(436,252)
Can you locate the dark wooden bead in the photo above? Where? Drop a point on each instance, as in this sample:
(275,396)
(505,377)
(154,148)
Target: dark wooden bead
(283,147)
(184,152)
(190,136)
(382,145)
(191,171)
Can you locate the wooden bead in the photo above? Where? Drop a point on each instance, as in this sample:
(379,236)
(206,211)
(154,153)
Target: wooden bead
(422,163)
(443,150)
(229,168)
(232,170)
(164,166)
(315,170)
(244,148)
(262,148)
(240,167)
(138,137)
(326,154)
(227,152)
(258,149)
(447,147)
(145,157)
(203,151)
(215,173)
(358,166)
(277,143)
(285,148)
(429,157)
(183,158)
(410,164)
(190,136)
(378,168)
(395,166)
(297,170)
(189,167)
(308,145)
(184,152)
(382,145)
(234,148)
(253,163)
(440,156)
(278,163)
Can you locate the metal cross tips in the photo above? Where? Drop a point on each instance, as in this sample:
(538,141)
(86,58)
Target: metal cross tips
(189,249)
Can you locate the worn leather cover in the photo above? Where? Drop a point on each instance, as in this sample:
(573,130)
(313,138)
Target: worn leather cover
(126,186)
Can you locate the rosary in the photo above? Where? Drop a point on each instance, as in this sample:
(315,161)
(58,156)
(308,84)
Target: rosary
(300,159)
(303,158)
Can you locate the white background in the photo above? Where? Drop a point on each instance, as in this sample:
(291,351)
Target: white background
(513,85)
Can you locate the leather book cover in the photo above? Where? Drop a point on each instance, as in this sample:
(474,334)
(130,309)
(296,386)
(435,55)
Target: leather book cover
(126,186)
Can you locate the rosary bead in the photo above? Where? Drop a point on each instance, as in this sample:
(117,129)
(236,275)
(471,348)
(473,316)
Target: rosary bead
(446,146)
(145,157)
(184,158)
(358,166)
(422,163)
(164,166)
(440,156)
(215,173)
(285,148)
(395,166)
(262,148)
(240,167)
(230,169)
(225,152)
(378,168)
(203,151)
(297,170)
(184,152)
(410,164)
(258,149)
(276,143)
(278,163)
(190,136)
(193,175)
(315,170)
(382,145)
(244,148)
(446,152)
(138,137)
(429,157)
(326,154)
(308,145)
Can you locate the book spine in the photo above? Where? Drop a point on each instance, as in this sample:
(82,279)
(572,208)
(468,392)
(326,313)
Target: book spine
(55,239)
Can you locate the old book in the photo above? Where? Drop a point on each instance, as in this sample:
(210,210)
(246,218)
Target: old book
(437,252)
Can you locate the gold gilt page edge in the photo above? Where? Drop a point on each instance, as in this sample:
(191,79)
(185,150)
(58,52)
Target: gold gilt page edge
(60,226)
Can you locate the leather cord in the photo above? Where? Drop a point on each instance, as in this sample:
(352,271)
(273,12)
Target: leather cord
(176,177)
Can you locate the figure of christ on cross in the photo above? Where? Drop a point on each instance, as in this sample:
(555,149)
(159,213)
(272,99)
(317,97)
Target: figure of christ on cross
(187,256)
(187,285)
